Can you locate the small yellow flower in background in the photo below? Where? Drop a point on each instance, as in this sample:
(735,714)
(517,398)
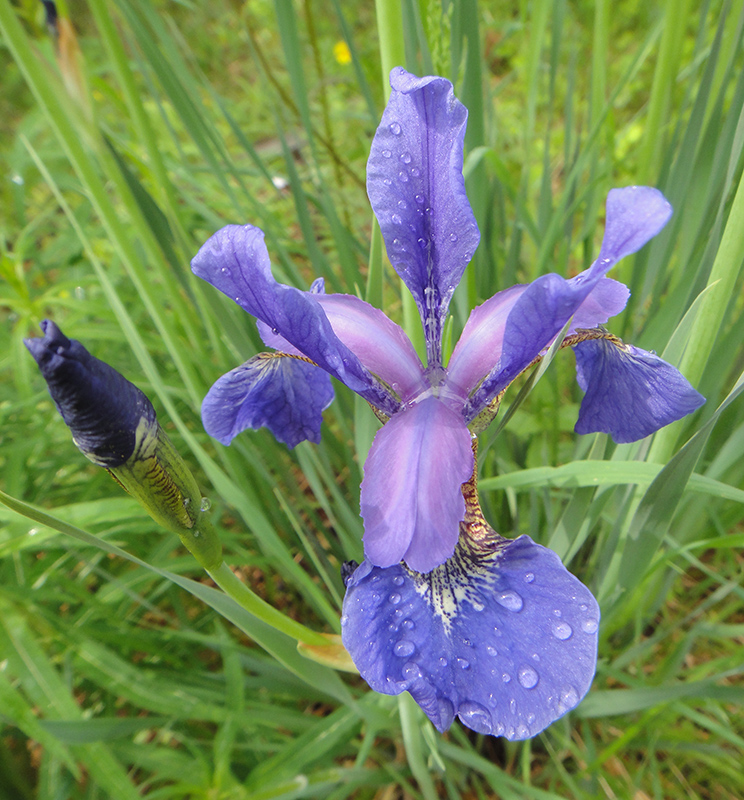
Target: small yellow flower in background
(341,52)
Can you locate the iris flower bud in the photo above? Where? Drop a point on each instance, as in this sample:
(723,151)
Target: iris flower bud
(115,426)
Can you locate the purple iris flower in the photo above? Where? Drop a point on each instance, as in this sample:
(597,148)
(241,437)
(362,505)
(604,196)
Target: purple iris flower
(433,568)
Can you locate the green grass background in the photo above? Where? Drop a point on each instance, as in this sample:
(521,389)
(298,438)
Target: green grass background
(142,127)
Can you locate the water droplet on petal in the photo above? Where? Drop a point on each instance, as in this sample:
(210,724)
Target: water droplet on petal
(475,717)
(510,600)
(399,580)
(492,700)
(528,677)
(386,154)
(583,607)
(443,662)
(569,697)
(557,613)
(395,128)
(523,732)
(344,620)
(421,243)
(415,171)
(403,177)
(408,624)
(499,730)
(237,298)
(226,271)
(513,706)
(506,677)
(589,626)
(397,219)
(530,719)
(492,651)
(402,205)
(405,158)
(411,671)
(395,598)
(404,648)
(529,577)
(420,199)
(463,663)
(477,606)
(453,237)
(562,631)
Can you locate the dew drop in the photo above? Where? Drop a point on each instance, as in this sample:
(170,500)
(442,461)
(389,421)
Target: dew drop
(404,648)
(206,504)
(569,697)
(415,171)
(477,606)
(344,620)
(492,651)
(531,719)
(421,243)
(395,128)
(399,580)
(500,730)
(506,677)
(420,199)
(442,662)
(523,732)
(411,671)
(492,700)
(535,657)
(405,158)
(453,237)
(557,613)
(562,631)
(396,242)
(513,706)
(528,677)
(237,298)
(475,717)
(397,219)
(226,271)
(408,624)
(196,534)
(386,154)
(510,600)
(529,577)
(589,626)
(395,598)
(583,607)
(463,663)
(402,205)
(403,177)
(387,181)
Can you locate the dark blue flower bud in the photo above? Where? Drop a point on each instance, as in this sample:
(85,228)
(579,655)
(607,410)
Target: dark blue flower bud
(101,407)
(115,426)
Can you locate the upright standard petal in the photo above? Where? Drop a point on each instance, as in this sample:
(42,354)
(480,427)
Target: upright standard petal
(411,495)
(235,261)
(501,635)
(380,344)
(102,409)
(634,215)
(630,393)
(417,191)
(284,394)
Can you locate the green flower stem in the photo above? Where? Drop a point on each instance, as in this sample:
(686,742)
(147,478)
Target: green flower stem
(390,34)
(221,575)
(233,587)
